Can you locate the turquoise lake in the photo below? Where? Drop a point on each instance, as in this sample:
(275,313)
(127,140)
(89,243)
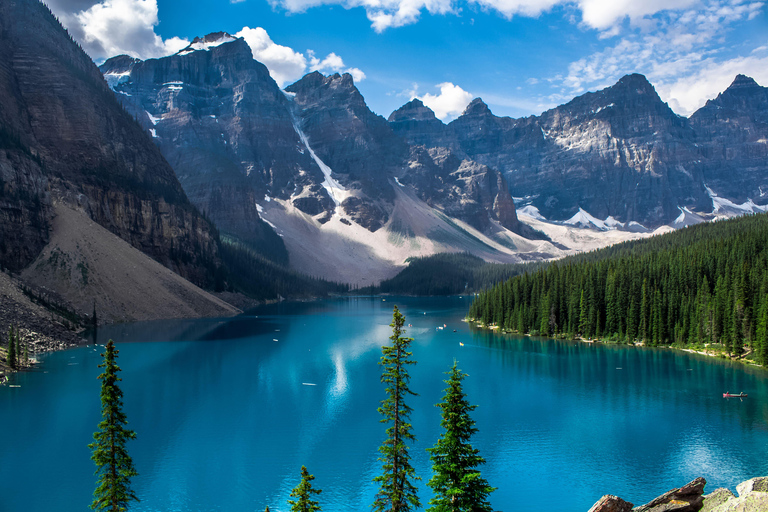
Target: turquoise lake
(228,410)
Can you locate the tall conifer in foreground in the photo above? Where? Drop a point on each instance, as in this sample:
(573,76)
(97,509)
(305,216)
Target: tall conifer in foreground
(457,483)
(396,492)
(303,492)
(113,464)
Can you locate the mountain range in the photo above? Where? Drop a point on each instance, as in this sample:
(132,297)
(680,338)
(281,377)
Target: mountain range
(115,176)
(352,194)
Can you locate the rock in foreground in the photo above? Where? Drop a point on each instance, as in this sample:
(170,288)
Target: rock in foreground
(753,497)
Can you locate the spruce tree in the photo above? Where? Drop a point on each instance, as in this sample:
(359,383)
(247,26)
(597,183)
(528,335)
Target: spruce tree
(396,492)
(303,492)
(10,355)
(457,483)
(113,464)
(26,352)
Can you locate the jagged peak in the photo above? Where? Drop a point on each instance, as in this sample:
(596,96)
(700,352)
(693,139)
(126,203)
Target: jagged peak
(207,42)
(742,82)
(414,110)
(477,107)
(635,81)
(118,64)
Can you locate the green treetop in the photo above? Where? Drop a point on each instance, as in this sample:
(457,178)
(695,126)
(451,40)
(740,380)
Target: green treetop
(396,492)
(303,492)
(113,464)
(457,483)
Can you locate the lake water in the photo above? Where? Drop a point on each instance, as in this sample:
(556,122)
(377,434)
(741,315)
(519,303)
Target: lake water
(228,410)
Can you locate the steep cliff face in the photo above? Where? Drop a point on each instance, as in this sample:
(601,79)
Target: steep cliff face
(224,125)
(66,138)
(618,152)
(732,137)
(358,145)
(463,189)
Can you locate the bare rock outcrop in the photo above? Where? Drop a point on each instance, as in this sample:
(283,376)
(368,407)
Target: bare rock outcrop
(752,497)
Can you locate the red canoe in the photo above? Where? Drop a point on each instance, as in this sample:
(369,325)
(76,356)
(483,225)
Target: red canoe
(730,395)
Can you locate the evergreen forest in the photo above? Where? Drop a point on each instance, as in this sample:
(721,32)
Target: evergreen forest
(449,274)
(704,284)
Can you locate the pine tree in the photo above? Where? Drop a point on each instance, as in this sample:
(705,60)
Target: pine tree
(10,355)
(303,492)
(396,492)
(457,483)
(113,464)
(26,352)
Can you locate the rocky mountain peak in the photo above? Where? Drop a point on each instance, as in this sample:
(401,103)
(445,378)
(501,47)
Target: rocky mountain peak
(477,107)
(743,82)
(743,97)
(414,110)
(634,83)
(337,88)
(119,64)
(207,42)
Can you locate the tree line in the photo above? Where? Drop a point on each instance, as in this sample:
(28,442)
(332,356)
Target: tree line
(449,274)
(456,482)
(16,351)
(702,284)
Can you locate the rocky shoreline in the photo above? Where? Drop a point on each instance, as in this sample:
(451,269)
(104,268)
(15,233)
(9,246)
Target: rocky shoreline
(40,329)
(752,497)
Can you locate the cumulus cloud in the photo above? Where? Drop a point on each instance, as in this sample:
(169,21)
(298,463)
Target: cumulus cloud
(114,27)
(284,64)
(332,63)
(287,65)
(451,101)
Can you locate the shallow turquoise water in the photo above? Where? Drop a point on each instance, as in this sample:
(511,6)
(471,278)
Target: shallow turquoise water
(225,416)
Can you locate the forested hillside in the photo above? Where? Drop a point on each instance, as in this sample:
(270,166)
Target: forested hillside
(703,284)
(450,274)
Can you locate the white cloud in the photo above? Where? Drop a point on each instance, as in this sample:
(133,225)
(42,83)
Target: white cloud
(451,101)
(677,51)
(357,74)
(598,14)
(331,62)
(604,14)
(284,64)
(689,93)
(114,27)
(287,65)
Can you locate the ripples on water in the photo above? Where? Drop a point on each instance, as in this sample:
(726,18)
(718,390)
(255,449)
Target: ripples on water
(226,416)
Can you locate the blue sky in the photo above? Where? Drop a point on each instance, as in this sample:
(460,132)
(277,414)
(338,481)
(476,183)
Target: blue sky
(520,56)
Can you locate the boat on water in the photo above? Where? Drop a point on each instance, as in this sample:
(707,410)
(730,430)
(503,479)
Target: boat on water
(732,395)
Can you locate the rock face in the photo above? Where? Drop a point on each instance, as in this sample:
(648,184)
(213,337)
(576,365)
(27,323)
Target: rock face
(610,503)
(685,499)
(618,152)
(753,497)
(235,139)
(224,125)
(64,138)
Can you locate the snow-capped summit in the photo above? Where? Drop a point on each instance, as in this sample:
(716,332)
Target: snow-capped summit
(207,42)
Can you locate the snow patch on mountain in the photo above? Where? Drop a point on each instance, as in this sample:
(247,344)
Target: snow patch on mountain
(335,189)
(206,43)
(154,120)
(531,211)
(686,218)
(585,220)
(115,79)
(728,208)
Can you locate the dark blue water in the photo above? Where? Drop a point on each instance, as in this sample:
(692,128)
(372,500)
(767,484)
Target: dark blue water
(225,418)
